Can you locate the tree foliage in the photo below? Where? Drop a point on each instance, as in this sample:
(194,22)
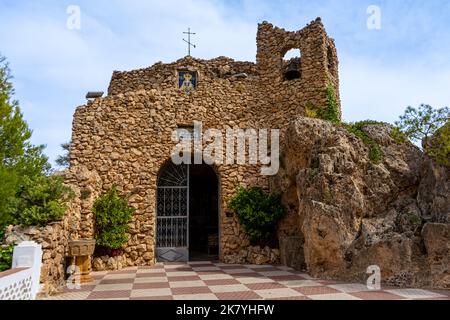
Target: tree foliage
(42,200)
(63,160)
(258,212)
(6,255)
(24,169)
(423,122)
(112,215)
(430,126)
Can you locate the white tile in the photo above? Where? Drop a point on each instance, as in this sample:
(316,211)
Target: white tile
(278,293)
(300,283)
(187,297)
(181,274)
(151,293)
(256,266)
(162,270)
(229,288)
(415,293)
(285,268)
(276,273)
(187,284)
(119,276)
(333,296)
(212,268)
(220,264)
(151,280)
(235,271)
(114,287)
(250,280)
(215,277)
(350,287)
(175,266)
(68,296)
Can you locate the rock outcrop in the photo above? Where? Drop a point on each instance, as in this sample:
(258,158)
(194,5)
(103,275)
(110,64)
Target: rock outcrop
(353,213)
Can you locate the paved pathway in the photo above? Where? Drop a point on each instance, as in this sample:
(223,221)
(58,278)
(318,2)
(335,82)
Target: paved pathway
(212,281)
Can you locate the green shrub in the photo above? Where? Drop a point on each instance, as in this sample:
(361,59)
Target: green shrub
(398,135)
(429,126)
(375,153)
(42,200)
(258,213)
(112,215)
(6,254)
(331,111)
(438,147)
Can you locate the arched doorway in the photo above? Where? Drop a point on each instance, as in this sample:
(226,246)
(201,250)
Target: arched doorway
(187,213)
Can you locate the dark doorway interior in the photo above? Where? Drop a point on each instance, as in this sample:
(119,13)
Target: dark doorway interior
(203,213)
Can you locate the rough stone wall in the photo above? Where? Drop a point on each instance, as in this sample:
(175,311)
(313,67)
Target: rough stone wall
(125,137)
(165,74)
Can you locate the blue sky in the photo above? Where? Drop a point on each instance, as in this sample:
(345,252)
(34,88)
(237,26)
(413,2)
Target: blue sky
(383,71)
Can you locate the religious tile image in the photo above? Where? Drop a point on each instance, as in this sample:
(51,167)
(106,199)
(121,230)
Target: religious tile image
(187,81)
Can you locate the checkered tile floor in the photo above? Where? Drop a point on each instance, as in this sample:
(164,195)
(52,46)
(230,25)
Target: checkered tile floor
(217,281)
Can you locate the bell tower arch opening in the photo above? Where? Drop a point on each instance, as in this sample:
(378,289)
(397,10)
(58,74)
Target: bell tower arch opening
(292,63)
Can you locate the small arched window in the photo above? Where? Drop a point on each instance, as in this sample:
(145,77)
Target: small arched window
(292,65)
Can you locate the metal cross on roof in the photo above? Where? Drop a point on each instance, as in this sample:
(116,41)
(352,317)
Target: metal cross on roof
(188,41)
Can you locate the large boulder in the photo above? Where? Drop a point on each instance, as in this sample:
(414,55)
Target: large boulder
(354,212)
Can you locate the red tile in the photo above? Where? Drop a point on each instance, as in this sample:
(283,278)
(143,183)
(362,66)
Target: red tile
(249,274)
(247,295)
(150,267)
(150,275)
(204,273)
(100,295)
(379,295)
(266,269)
(194,290)
(293,298)
(83,288)
(286,278)
(185,278)
(232,267)
(156,285)
(204,265)
(184,269)
(153,298)
(122,272)
(310,291)
(223,282)
(116,281)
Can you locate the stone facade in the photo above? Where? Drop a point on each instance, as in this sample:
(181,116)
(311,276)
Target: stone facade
(124,138)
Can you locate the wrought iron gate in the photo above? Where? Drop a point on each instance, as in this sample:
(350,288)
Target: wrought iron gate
(172,213)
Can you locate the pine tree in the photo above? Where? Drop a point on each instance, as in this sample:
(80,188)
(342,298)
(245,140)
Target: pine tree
(18,157)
